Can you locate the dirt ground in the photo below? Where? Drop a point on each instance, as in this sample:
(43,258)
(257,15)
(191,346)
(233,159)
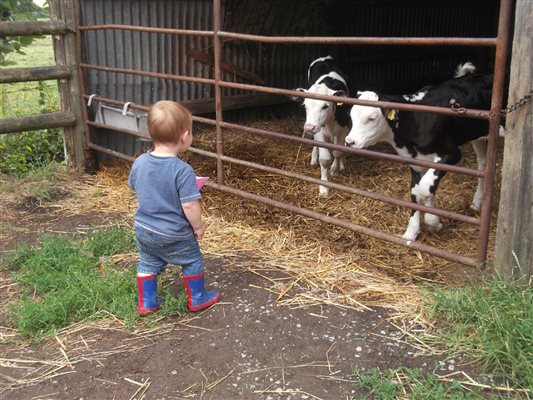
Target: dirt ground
(246,347)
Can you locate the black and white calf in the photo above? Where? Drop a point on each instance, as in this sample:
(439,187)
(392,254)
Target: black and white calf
(327,121)
(427,136)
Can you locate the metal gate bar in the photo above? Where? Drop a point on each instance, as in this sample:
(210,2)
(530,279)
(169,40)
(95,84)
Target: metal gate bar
(330,146)
(347,189)
(375,41)
(348,225)
(502,43)
(464,113)
(361,152)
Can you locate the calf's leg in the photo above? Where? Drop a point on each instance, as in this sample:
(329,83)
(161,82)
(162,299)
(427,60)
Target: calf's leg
(338,162)
(427,187)
(314,156)
(424,193)
(480,148)
(339,157)
(324,159)
(413,227)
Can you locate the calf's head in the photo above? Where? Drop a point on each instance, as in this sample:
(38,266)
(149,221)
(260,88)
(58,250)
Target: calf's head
(318,112)
(369,124)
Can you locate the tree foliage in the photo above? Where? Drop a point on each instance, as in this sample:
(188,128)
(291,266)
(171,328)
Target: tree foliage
(17,10)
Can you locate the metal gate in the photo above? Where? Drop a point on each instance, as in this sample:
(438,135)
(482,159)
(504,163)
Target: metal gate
(220,87)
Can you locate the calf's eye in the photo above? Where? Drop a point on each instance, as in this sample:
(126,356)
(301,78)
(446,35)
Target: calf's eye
(325,106)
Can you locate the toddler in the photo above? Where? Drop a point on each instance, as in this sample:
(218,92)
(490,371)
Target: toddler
(168,221)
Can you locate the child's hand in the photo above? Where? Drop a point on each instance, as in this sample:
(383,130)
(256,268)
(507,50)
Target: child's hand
(199,233)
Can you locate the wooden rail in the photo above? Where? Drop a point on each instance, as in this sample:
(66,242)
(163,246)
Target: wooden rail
(12,75)
(30,28)
(34,122)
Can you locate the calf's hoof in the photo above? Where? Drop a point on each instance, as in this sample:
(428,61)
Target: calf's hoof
(433,222)
(435,227)
(323,191)
(475,207)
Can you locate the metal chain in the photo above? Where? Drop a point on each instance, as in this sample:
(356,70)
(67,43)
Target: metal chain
(456,106)
(523,101)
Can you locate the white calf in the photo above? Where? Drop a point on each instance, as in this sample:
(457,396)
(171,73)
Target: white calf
(327,121)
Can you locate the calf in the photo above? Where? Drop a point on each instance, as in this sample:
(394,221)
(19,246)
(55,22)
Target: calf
(427,136)
(327,121)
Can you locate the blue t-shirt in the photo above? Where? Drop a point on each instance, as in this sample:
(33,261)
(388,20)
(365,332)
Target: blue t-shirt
(162,184)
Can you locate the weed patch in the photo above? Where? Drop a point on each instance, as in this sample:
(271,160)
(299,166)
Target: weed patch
(23,152)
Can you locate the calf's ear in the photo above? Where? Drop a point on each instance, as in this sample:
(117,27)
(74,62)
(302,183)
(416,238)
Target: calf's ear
(299,100)
(341,93)
(391,114)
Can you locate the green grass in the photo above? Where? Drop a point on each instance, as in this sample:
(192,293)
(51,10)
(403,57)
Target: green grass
(410,384)
(112,241)
(17,99)
(39,53)
(493,322)
(67,280)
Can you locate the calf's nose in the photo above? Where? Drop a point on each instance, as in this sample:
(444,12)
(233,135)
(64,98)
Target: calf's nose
(309,128)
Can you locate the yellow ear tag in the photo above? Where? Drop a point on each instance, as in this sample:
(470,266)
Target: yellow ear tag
(340,104)
(391,115)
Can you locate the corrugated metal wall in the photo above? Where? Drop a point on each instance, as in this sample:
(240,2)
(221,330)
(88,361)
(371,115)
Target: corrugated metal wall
(146,51)
(153,52)
(278,65)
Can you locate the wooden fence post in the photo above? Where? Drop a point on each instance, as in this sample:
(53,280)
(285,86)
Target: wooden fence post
(65,50)
(514,235)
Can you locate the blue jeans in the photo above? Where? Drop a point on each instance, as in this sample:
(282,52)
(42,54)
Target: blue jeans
(157,251)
